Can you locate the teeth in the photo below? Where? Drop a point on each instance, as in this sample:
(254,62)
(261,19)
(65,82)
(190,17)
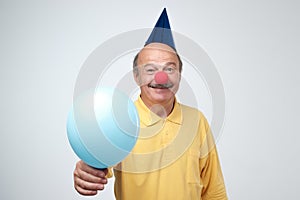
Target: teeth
(152,86)
(160,86)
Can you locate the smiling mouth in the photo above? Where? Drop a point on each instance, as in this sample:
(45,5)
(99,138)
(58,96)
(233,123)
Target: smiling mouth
(160,86)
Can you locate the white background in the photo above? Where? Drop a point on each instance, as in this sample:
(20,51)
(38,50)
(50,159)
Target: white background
(254,44)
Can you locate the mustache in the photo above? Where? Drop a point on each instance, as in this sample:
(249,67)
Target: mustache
(161,86)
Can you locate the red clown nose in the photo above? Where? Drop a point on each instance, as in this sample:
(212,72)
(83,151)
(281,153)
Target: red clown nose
(161,77)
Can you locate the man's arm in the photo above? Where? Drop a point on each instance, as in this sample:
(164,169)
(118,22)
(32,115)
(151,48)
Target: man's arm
(209,166)
(212,177)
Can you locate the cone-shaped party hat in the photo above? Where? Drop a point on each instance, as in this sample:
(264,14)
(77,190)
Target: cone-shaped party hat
(162,33)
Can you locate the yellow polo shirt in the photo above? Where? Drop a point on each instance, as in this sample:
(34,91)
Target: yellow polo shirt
(174,158)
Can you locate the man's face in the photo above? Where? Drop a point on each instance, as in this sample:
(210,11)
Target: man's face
(157,57)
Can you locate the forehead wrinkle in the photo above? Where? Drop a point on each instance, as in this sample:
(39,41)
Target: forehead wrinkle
(157,56)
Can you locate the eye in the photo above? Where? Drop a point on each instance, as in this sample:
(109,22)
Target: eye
(150,69)
(169,70)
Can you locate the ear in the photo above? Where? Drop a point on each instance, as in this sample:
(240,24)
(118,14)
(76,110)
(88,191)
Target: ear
(179,76)
(136,76)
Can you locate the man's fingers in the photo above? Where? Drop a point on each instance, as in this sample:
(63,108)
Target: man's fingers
(85,192)
(89,177)
(87,180)
(90,170)
(88,185)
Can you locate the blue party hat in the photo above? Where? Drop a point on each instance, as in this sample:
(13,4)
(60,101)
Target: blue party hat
(162,33)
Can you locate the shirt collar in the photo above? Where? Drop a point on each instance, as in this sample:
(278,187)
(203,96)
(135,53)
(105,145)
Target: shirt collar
(148,118)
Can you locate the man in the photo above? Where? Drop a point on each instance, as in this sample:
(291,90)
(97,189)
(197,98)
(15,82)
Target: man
(175,156)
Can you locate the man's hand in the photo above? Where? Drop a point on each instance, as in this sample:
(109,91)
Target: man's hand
(88,180)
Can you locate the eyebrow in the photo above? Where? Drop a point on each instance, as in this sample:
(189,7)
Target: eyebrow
(149,64)
(170,63)
(164,65)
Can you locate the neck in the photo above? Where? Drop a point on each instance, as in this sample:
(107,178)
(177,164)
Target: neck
(162,109)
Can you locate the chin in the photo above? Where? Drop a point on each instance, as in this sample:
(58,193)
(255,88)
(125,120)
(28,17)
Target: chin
(162,98)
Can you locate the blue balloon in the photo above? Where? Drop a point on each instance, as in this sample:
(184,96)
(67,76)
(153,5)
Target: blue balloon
(103,127)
